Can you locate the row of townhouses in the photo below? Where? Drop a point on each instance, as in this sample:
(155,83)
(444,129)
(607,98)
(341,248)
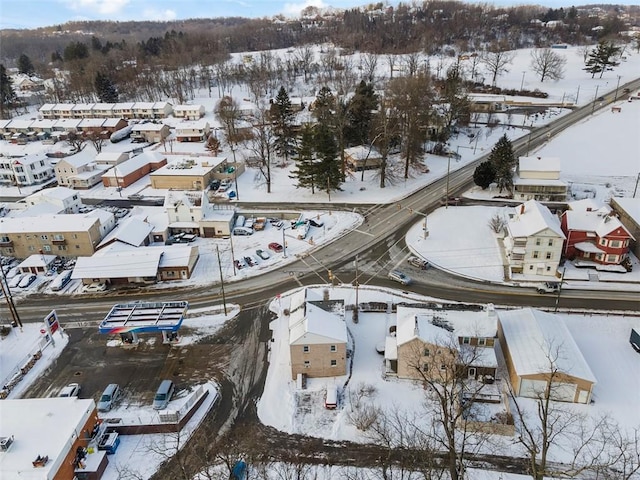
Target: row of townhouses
(126,110)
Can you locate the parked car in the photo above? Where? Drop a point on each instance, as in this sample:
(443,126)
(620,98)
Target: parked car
(400,277)
(15,281)
(61,280)
(109,397)
(12,272)
(214,185)
(418,262)
(239,265)
(71,390)
(634,340)
(249,261)
(163,395)
(27,280)
(263,254)
(242,231)
(316,223)
(95,287)
(549,287)
(276,247)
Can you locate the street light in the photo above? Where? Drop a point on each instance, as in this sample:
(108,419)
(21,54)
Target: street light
(522,82)
(617,86)
(595,97)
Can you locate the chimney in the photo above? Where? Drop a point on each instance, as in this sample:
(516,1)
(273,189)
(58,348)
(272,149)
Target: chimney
(521,209)
(491,310)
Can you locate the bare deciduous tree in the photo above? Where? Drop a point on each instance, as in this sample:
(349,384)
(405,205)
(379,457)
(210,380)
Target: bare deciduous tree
(370,63)
(96,140)
(228,114)
(262,142)
(497,223)
(304,58)
(548,64)
(76,140)
(496,59)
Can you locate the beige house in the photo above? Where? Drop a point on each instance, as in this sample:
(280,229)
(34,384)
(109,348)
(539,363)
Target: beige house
(111,159)
(188,173)
(534,240)
(538,178)
(149,132)
(193,131)
(66,235)
(317,336)
(189,112)
(542,357)
(362,157)
(442,344)
(78,172)
(191,212)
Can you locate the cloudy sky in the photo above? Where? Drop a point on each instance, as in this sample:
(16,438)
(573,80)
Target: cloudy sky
(39,13)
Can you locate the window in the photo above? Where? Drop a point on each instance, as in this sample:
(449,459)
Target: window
(548,269)
(77,247)
(536,254)
(426,352)
(443,367)
(333,348)
(44,237)
(305,348)
(466,340)
(425,367)
(530,267)
(482,341)
(334,363)
(4,239)
(62,247)
(615,243)
(307,364)
(58,237)
(612,258)
(74,236)
(548,256)
(538,242)
(550,242)
(31,248)
(46,248)
(603,242)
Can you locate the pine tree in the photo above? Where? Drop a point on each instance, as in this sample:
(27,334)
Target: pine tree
(602,58)
(25,65)
(329,174)
(484,174)
(324,105)
(7,94)
(282,117)
(503,160)
(105,88)
(305,171)
(360,112)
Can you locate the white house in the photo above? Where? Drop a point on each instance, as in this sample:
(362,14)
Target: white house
(111,158)
(534,240)
(65,199)
(192,131)
(538,178)
(23,171)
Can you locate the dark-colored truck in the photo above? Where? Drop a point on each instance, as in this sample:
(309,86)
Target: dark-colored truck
(634,340)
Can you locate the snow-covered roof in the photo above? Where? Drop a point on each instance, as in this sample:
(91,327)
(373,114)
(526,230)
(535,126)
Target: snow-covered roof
(133,164)
(132,231)
(20,123)
(463,323)
(412,326)
(123,106)
(537,339)
(91,123)
(588,247)
(59,223)
(148,127)
(40,426)
(362,152)
(531,218)
(631,207)
(190,166)
(43,123)
(110,156)
(43,208)
(103,106)
(4,123)
(588,205)
(610,224)
(188,108)
(83,107)
(111,122)
(193,125)
(176,255)
(598,221)
(548,182)
(47,107)
(316,321)
(67,123)
(37,260)
(140,262)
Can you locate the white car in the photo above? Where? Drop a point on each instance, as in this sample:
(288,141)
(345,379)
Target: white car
(399,277)
(15,281)
(94,287)
(27,280)
(71,390)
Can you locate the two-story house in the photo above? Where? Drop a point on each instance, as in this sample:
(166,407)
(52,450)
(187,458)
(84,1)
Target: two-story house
(65,199)
(193,131)
(538,178)
(317,336)
(149,132)
(188,173)
(28,170)
(188,112)
(534,240)
(594,234)
(191,212)
(78,171)
(130,171)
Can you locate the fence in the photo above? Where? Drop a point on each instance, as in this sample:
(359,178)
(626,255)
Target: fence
(23,367)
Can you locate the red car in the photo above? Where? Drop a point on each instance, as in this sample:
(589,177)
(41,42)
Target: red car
(276,247)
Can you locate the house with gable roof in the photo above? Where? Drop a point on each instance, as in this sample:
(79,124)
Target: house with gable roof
(438,343)
(542,357)
(65,199)
(595,235)
(317,335)
(78,171)
(534,240)
(132,170)
(538,178)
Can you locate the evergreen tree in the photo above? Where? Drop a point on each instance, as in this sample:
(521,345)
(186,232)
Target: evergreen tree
(305,171)
(503,160)
(360,112)
(601,58)
(329,175)
(25,65)
(7,94)
(282,117)
(105,88)
(484,174)
(324,106)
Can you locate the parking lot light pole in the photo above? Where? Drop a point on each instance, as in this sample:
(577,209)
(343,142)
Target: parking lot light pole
(224,298)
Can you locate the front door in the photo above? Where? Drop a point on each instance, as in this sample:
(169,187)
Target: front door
(472,372)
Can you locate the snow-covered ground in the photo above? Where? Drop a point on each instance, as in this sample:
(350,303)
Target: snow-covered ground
(603,341)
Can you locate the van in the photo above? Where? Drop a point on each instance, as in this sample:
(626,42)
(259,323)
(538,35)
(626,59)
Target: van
(331,398)
(242,231)
(240,221)
(109,397)
(163,395)
(398,276)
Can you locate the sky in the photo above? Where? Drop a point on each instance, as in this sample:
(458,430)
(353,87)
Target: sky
(21,14)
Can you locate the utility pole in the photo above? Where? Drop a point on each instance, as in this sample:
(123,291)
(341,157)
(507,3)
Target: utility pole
(224,299)
(446,200)
(233,258)
(617,86)
(564,269)
(522,82)
(635,190)
(357,306)
(593,106)
(6,290)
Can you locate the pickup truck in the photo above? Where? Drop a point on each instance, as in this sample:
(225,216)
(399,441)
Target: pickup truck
(259,223)
(549,287)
